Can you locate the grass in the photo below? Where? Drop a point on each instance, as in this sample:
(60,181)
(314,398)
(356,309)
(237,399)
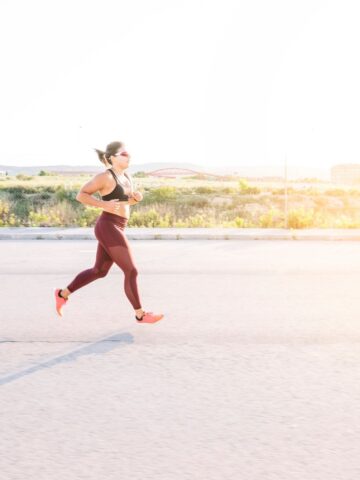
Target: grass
(49,200)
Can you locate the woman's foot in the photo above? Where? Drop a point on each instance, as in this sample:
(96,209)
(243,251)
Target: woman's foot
(59,301)
(149,317)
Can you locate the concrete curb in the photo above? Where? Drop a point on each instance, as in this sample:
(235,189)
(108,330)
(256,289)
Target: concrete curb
(55,233)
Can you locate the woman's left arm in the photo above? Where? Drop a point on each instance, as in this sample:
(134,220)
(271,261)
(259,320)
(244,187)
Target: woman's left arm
(135,196)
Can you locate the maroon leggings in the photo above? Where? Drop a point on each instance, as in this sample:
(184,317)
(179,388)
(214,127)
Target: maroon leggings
(112,247)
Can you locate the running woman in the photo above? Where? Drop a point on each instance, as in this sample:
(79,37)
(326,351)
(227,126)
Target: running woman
(116,191)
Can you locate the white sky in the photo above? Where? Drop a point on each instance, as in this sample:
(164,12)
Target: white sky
(210,82)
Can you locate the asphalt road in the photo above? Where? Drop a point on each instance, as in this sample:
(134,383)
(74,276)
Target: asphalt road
(252,374)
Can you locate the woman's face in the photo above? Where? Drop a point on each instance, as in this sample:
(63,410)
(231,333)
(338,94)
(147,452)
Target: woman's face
(121,158)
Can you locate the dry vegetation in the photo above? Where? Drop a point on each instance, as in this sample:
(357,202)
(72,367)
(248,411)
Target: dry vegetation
(49,200)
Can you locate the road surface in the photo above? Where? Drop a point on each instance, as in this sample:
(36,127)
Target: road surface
(253,373)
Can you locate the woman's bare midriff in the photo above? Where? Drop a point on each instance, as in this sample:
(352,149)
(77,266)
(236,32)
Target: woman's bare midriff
(124,211)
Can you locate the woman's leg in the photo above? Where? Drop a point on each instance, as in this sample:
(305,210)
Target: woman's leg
(114,241)
(121,254)
(100,269)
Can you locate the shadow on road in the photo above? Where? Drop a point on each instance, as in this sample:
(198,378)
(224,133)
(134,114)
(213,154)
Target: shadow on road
(102,346)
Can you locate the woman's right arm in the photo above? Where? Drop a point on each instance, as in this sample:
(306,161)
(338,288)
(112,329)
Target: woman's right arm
(94,185)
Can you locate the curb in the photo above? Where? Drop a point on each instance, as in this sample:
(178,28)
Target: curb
(55,233)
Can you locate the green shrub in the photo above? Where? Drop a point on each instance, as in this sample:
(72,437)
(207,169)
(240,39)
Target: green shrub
(62,194)
(271,219)
(196,202)
(45,195)
(17,194)
(88,216)
(180,223)
(6,217)
(21,176)
(149,218)
(300,218)
(59,214)
(198,221)
(21,210)
(38,219)
(205,189)
(21,191)
(344,221)
(310,191)
(281,191)
(245,189)
(336,192)
(229,190)
(238,222)
(160,194)
(200,176)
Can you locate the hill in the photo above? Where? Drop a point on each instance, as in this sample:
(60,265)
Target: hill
(294,172)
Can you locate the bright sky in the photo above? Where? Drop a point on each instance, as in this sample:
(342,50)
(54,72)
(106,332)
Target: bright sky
(211,82)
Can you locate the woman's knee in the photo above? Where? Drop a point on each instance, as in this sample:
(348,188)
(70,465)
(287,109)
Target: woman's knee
(100,273)
(132,272)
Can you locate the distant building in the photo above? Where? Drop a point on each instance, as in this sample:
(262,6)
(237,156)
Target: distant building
(346,174)
(2,172)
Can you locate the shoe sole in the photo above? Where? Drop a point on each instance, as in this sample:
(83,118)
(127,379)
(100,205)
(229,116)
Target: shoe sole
(155,321)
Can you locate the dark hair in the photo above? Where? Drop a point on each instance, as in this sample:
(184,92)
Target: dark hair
(111,149)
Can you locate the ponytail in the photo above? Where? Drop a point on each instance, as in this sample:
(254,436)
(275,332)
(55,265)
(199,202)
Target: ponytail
(111,149)
(103,157)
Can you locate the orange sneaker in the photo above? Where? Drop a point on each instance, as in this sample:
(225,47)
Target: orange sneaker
(149,317)
(59,301)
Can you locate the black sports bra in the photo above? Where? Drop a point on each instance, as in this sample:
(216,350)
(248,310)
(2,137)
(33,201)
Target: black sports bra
(118,191)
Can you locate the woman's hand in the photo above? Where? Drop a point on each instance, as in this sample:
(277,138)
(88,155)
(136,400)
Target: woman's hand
(113,206)
(137,196)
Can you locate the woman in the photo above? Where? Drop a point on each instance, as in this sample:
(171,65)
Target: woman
(116,191)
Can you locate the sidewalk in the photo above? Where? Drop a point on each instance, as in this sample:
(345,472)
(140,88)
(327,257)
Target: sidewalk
(58,233)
